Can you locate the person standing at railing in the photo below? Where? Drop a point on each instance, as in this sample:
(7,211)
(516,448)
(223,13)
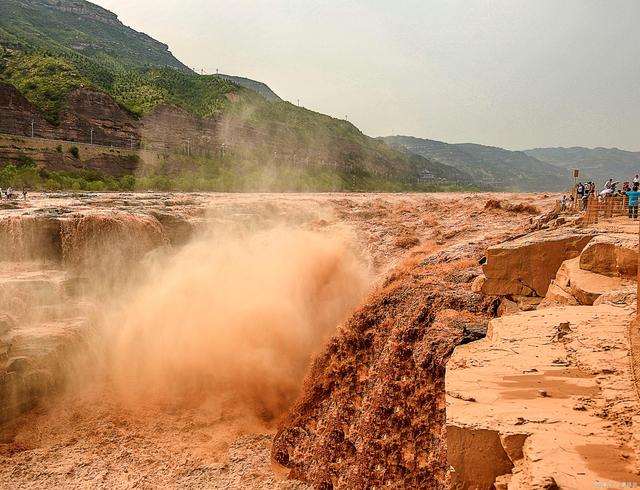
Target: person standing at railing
(585,201)
(633,204)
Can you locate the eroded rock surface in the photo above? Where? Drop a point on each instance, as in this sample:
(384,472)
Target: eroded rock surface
(555,386)
(526,266)
(586,287)
(611,254)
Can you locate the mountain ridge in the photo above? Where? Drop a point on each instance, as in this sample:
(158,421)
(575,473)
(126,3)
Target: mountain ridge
(488,165)
(596,164)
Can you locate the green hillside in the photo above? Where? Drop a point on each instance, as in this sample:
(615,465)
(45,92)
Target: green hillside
(75,25)
(488,165)
(49,48)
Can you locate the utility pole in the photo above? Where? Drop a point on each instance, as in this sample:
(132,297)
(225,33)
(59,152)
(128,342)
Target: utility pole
(222,150)
(188,142)
(91,140)
(32,126)
(298,102)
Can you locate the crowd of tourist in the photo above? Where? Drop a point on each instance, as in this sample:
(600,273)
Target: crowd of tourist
(588,190)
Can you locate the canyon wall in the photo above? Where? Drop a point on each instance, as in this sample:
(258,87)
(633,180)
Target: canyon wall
(90,116)
(93,116)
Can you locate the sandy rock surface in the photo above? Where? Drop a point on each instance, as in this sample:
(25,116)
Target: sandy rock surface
(526,266)
(612,254)
(560,379)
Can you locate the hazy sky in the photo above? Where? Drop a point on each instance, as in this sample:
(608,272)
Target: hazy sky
(511,73)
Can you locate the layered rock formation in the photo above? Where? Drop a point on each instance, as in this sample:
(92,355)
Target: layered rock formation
(526,266)
(17,115)
(585,286)
(91,116)
(611,254)
(86,111)
(546,400)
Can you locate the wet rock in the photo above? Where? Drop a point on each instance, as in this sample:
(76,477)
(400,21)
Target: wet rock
(473,332)
(526,266)
(75,286)
(178,230)
(23,294)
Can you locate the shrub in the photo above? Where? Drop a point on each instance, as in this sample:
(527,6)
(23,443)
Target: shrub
(25,161)
(75,152)
(128,182)
(96,185)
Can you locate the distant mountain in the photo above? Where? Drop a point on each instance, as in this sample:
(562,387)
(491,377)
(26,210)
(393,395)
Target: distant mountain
(597,164)
(488,165)
(430,170)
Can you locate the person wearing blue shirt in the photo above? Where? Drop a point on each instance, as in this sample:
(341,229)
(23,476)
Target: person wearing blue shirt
(633,204)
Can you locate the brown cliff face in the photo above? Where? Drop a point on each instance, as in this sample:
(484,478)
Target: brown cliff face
(17,114)
(91,116)
(86,110)
(82,9)
(372,411)
(56,156)
(89,110)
